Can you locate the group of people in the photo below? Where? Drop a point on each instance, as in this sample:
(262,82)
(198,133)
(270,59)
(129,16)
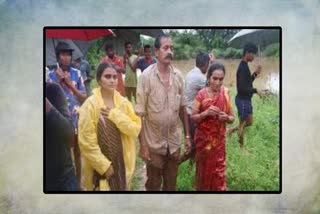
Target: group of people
(104,128)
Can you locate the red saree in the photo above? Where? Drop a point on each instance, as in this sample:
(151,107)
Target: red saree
(210,142)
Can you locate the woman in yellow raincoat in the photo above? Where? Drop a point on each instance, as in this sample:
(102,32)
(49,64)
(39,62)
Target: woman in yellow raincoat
(108,102)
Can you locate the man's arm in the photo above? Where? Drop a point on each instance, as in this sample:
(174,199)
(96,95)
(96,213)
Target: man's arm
(140,55)
(135,63)
(80,91)
(184,118)
(140,109)
(144,150)
(132,65)
(256,73)
(243,82)
(81,96)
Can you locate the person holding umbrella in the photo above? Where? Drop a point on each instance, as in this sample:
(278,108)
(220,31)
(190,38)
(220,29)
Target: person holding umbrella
(71,81)
(245,91)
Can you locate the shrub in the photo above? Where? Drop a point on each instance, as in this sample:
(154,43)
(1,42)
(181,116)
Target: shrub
(232,53)
(272,50)
(218,53)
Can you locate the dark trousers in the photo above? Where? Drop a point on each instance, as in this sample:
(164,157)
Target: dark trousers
(71,183)
(162,169)
(67,183)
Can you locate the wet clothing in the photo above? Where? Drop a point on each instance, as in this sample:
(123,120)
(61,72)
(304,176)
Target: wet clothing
(245,89)
(244,108)
(162,167)
(72,100)
(59,171)
(210,142)
(160,108)
(128,123)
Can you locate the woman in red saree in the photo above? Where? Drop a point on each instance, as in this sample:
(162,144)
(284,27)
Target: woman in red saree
(212,110)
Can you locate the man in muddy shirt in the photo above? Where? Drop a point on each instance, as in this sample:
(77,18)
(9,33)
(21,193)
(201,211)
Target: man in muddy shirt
(161,104)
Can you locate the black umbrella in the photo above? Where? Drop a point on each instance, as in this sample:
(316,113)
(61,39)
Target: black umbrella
(260,37)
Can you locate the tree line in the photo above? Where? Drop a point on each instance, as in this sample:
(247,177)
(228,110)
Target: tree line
(188,42)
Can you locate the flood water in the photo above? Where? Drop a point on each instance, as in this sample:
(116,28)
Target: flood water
(268,79)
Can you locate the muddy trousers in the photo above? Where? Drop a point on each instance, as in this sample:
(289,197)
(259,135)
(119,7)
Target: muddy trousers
(162,169)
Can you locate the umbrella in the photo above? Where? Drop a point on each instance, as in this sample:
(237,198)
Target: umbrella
(132,35)
(85,34)
(260,37)
(78,39)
